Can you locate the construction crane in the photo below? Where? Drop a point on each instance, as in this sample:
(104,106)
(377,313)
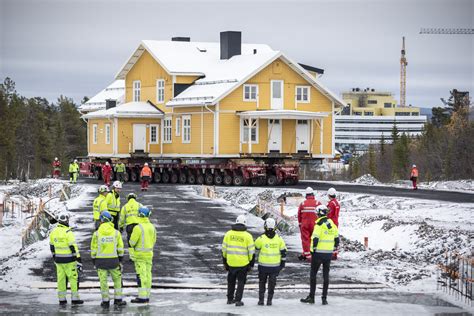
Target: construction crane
(403,75)
(450,31)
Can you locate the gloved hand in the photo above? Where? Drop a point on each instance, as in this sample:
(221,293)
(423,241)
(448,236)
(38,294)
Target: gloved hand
(121,267)
(282,265)
(79,267)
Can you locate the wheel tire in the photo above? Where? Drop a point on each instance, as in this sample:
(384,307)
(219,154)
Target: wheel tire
(262,181)
(272,180)
(157,177)
(209,179)
(218,179)
(238,181)
(254,181)
(126,177)
(182,178)
(97,174)
(200,179)
(174,178)
(165,177)
(288,181)
(191,178)
(296,180)
(227,180)
(133,176)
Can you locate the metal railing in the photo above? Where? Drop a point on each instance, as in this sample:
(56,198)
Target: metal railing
(455,276)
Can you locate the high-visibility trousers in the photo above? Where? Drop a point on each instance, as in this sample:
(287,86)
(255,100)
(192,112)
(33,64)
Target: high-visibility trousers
(143,271)
(116,275)
(73,177)
(67,272)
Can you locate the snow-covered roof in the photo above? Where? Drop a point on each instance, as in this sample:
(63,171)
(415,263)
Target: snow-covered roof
(115,91)
(219,76)
(130,109)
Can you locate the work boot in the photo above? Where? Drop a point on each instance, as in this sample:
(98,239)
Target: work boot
(105,304)
(62,303)
(229,302)
(77,302)
(119,302)
(309,300)
(239,303)
(324,300)
(269,300)
(260,302)
(140,300)
(301,257)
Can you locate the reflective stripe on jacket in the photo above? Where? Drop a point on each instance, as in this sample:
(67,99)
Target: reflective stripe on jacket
(99,206)
(307,210)
(334,209)
(143,239)
(146,172)
(270,250)
(238,248)
(113,202)
(326,232)
(106,246)
(63,244)
(120,167)
(73,167)
(129,212)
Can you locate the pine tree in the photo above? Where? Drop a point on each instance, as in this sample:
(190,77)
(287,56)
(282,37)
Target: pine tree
(372,161)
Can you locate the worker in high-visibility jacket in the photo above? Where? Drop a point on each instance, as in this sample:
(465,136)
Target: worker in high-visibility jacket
(99,204)
(325,240)
(142,241)
(73,171)
(113,202)
(238,255)
(67,259)
(306,218)
(414,176)
(145,176)
(129,215)
(120,170)
(107,254)
(271,250)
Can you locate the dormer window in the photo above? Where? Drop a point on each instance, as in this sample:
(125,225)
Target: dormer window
(250,92)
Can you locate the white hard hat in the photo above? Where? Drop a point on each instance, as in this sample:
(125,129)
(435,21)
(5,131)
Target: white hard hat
(146,163)
(106,163)
(55,158)
(75,160)
(309,190)
(322,210)
(117,184)
(269,223)
(63,217)
(414,166)
(332,192)
(241,219)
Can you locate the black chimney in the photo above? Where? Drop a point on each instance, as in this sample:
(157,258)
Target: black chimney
(109,103)
(231,44)
(181,39)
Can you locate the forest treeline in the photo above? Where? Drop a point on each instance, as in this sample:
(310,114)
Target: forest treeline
(33,131)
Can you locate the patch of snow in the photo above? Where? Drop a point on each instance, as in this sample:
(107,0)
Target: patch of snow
(366,179)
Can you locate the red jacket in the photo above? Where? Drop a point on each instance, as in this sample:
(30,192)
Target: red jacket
(146,172)
(334,209)
(307,210)
(106,169)
(414,172)
(57,164)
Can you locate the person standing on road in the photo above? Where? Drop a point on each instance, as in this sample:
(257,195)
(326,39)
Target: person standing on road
(306,219)
(334,208)
(142,241)
(73,171)
(238,255)
(56,168)
(107,254)
(99,205)
(414,176)
(271,260)
(113,202)
(120,170)
(145,176)
(67,259)
(325,239)
(106,173)
(129,215)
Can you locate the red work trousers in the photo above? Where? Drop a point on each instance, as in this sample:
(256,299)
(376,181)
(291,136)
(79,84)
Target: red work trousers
(107,179)
(306,230)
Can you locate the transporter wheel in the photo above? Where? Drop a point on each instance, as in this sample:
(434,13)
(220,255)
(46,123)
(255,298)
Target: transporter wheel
(238,180)
(157,177)
(288,181)
(227,180)
(174,178)
(200,179)
(191,178)
(254,181)
(133,176)
(218,179)
(165,177)
(183,178)
(296,180)
(97,174)
(126,177)
(272,180)
(209,179)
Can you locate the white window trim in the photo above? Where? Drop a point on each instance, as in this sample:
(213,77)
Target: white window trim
(157,126)
(165,127)
(158,88)
(184,118)
(134,90)
(246,141)
(178,127)
(107,133)
(309,94)
(95,129)
(250,92)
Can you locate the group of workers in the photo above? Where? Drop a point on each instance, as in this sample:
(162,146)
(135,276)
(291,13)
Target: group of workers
(107,247)
(320,239)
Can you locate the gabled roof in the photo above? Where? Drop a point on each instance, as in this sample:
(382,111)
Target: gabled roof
(219,77)
(130,109)
(115,91)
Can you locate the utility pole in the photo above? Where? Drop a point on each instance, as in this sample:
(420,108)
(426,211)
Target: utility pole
(403,75)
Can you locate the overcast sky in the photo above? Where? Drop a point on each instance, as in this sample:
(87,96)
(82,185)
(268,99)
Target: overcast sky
(75,48)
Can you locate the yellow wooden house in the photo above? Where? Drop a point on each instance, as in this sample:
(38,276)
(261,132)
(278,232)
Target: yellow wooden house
(225,100)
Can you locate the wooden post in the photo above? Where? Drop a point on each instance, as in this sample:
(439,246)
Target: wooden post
(366,243)
(282,208)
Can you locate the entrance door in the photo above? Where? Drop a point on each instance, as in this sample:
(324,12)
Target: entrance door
(139,137)
(302,136)
(274,138)
(276,95)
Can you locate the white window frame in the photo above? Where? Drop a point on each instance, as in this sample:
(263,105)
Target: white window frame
(186,134)
(95,129)
(157,127)
(167,130)
(107,134)
(250,87)
(160,91)
(308,93)
(136,90)
(178,127)
(255,125)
